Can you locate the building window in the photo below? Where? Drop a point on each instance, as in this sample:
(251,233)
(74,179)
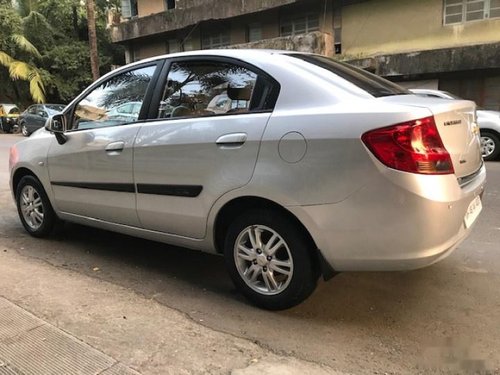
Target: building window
(254,32)
(459,11)
(215,40)
(299,25)
(129,8)
(169,4)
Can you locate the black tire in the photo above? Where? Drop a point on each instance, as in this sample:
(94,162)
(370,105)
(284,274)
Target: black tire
(493,142)
(304,273)
(6,127)
(48,219)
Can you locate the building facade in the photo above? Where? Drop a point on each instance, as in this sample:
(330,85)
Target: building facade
(452,45)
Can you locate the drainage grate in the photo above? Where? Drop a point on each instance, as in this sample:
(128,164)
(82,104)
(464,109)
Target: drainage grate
(30,346)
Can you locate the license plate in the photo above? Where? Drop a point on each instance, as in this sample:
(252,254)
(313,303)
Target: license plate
(473,211)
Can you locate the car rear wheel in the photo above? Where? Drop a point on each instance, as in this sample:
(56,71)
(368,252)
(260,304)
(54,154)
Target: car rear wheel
(24,130)
(490,145)
(270,260)
(34,208)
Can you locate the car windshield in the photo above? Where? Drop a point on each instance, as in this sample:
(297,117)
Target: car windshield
(372,84)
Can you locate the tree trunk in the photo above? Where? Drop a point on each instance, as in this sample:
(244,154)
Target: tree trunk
(74,18)
(94,56)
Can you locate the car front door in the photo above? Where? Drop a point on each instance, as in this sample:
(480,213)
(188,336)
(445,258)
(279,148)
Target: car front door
(191,155)
(91,173)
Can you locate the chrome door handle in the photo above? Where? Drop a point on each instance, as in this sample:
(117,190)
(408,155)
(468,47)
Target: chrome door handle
(115,147)
(231,140)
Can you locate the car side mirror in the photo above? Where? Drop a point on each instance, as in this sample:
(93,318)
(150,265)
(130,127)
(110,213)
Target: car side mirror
(57,124)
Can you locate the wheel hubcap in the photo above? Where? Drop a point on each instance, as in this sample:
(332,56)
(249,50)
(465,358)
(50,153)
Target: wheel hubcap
(487,146)
(24,130)
(263,260)
(31,207)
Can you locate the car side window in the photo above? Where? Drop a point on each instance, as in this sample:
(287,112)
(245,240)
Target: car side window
(32,110)
(195,89)
(102,106)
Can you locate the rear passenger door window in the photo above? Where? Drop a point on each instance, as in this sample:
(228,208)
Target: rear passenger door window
(198,89)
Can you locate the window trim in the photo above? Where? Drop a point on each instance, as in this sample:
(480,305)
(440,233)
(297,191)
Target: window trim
(268,102)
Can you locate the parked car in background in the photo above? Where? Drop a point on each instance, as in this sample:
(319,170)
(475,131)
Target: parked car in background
(36,115)
(9,114)
(286,189)
(125,112)
(488,121)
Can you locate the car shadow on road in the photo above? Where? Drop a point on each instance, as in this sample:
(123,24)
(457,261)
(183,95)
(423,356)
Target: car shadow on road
(382,313)
(159,270)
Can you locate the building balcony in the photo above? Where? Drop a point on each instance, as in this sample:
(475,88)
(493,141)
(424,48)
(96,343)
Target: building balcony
(181,18)
(314,42)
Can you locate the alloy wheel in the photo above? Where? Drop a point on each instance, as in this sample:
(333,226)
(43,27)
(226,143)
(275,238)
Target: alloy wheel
(263,260)
(31,207)
(487,146)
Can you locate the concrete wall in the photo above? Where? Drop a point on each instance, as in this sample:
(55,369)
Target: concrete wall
(147,7)
(387,26)
(315,42)
(181,17)
(150,49)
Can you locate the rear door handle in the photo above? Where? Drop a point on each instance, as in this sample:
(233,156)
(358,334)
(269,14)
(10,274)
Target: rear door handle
(231,140)
(114,148)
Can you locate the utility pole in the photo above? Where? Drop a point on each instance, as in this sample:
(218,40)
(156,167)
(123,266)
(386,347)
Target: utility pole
(94,55)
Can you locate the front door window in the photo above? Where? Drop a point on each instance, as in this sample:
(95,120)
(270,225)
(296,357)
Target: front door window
(104,105)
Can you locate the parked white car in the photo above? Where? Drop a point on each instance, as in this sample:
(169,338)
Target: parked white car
(320,168)
(489,123)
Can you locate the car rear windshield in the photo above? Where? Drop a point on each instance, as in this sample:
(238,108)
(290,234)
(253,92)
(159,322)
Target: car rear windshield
(55,107)
(372,84)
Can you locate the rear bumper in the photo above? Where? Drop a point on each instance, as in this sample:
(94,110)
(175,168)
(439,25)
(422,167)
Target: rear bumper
(400,221)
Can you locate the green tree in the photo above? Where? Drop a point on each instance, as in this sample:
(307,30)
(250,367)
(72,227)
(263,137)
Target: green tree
(63,58)
(18,55)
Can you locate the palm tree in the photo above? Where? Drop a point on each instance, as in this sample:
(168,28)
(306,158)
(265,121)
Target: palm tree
(22,70)
(16,53)
(94,56)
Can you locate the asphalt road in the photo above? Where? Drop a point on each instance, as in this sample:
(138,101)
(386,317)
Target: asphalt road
(395,322)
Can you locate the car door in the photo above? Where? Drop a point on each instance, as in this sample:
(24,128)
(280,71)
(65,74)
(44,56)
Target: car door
(91,173)
(40,117)
(30,118)
(190,155)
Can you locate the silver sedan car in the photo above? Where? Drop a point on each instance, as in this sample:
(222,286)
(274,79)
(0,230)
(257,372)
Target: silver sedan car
(317,168)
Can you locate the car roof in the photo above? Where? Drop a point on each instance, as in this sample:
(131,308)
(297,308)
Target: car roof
(8,105)
(248,55)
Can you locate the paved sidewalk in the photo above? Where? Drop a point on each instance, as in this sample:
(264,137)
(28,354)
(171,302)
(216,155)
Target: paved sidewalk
(29,345)
(55,321)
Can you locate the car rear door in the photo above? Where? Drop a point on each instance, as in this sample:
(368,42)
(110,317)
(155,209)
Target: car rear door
(189,156)
(91,174)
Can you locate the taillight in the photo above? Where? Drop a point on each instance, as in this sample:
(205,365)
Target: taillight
(413,146)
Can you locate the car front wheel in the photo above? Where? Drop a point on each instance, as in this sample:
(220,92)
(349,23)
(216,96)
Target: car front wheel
(490,145)
(34,208)
(270,259)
